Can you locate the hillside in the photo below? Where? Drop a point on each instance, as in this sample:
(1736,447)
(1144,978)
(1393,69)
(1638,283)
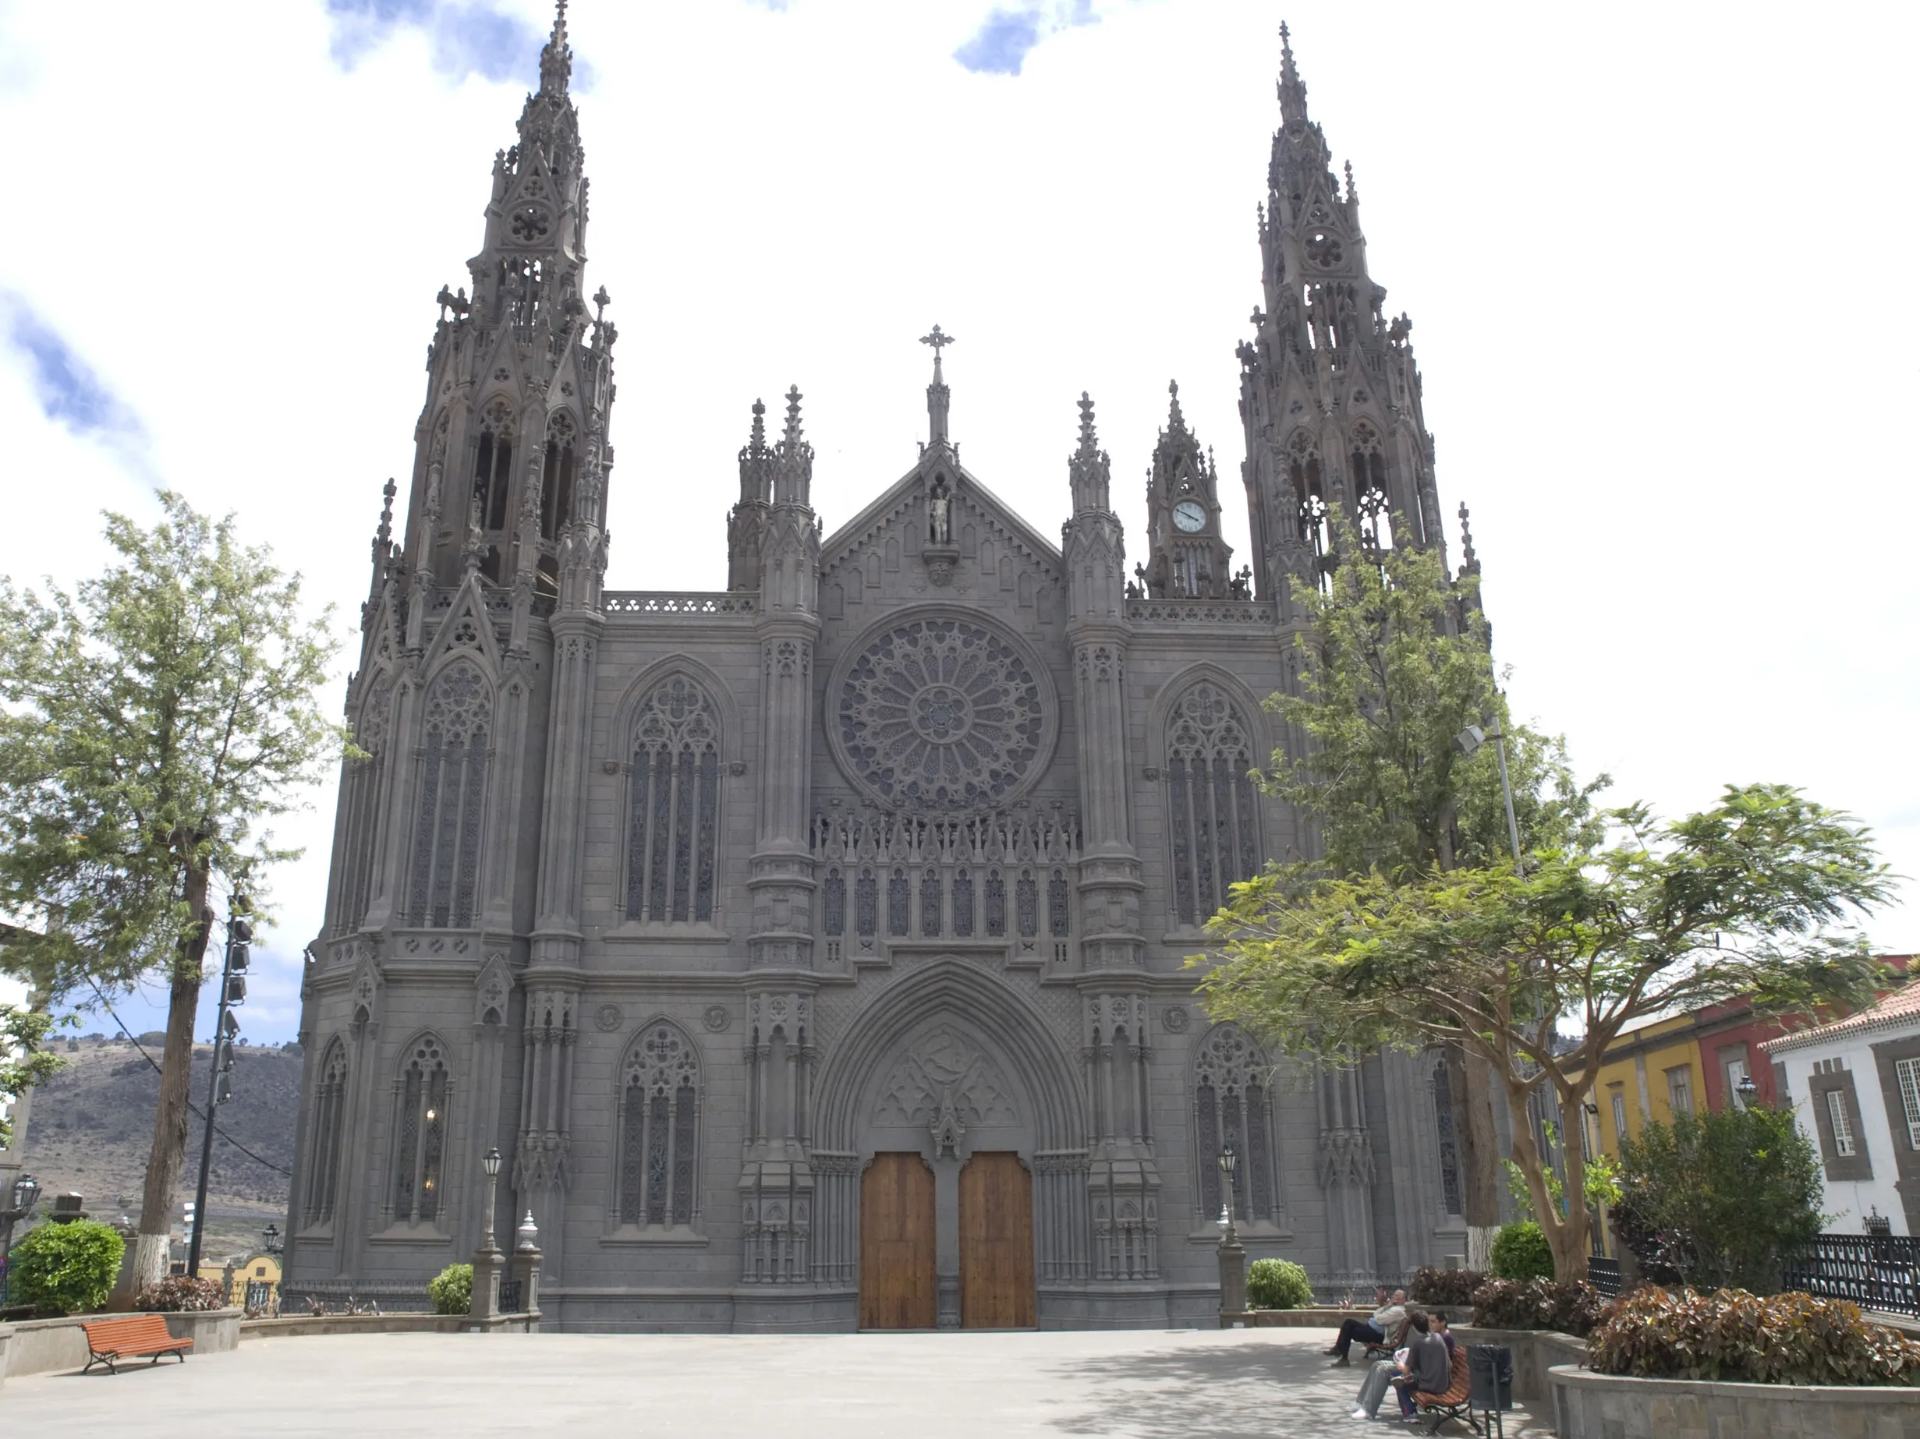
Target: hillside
(92,1128)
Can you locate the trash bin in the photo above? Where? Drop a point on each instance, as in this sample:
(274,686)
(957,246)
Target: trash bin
(1490,1382)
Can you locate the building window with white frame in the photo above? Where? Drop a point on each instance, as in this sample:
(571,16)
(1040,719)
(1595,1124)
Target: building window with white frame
(1842,1123)
(1619,1116)
(1907,1071)
(1680,1089)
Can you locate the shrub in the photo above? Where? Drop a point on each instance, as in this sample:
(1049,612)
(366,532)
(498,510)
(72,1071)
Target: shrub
(66,1268)
(1520,1252)
(181,1293)
(1719,1200)
(1277,1284)
(1444,1286)
(451,1290)
(1736,1336)
(1538,1304)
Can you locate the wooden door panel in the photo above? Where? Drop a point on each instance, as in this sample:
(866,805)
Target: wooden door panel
(996,1243)
(896,1244)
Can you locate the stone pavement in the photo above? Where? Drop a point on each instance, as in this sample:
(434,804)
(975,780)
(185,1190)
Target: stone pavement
(1242,1384)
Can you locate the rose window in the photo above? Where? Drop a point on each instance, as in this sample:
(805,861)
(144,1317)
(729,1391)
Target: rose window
(942,714)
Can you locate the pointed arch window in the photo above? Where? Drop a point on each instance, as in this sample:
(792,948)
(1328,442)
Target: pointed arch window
(1213,818)
(420,1134)
(1309,493)
(1451,1189)
(361,789)
(659,1130)
(453,797)
(1232,1101)
(556,484)
(329,1117)
(493,466)
(674,806)
(1369,464)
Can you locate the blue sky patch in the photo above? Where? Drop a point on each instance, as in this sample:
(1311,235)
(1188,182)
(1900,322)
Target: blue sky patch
(1001,45)
(475,38)
(68,391)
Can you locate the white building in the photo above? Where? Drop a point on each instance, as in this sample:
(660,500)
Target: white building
(1855,1087)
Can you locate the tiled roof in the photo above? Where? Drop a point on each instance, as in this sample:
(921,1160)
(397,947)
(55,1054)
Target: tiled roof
(1902,1007)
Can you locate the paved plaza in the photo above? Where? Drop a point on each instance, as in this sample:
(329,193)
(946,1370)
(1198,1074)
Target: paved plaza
(1260,1384)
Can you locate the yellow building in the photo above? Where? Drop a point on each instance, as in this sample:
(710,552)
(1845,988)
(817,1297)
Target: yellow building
(1651,1071)
(254,1269)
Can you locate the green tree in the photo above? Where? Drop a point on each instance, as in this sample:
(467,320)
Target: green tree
(154,719)
(1719,1201)
(23,1061)
(1396,663)
(1742,899)
(65,1268)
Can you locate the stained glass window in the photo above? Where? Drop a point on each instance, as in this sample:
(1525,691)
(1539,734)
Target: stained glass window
(1211,802)
(1233,1102)
(659,1130)
(674,805)
(453,795)
(421,1134)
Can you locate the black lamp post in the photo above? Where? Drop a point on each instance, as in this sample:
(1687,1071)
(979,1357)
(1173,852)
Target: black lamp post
(1747,1090)
(24,1195)
(1233,1255)
(271,1240)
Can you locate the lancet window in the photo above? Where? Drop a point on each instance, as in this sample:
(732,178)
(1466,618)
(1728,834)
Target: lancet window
(493,465)
(360,806)
(1213,817)
(1369,464)
(1232,1100)
(1450,1185)
(674,805)
(1309,493)
(556,485)
(329,1115)
(420,1136)
(659,1129)
(453,798)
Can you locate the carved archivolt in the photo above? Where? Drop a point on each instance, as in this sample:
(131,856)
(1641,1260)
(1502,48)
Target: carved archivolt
(945,1069)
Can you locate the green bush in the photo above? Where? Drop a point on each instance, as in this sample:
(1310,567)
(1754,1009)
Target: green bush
(1277,1284)
(181,1293)
(1734,1336)
(1718,1201)
(451,1290)
(1444,1286)
(66,1268)
(1521,1252)
(1538,1304)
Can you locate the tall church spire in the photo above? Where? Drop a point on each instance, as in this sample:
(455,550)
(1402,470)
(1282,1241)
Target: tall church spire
(938,394)
(556,59)
(1330,396)
(1089,469)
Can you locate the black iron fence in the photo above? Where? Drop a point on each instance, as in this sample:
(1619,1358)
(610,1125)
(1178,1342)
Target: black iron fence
(1604,1275)
(1875,1271)
(510,1296)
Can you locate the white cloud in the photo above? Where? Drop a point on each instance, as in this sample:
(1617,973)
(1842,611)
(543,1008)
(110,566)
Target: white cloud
(1653,267)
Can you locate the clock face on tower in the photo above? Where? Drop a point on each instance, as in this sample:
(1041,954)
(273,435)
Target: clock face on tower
(1190,516)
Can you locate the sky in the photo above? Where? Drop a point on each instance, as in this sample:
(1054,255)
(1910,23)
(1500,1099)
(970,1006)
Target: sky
(1657,259)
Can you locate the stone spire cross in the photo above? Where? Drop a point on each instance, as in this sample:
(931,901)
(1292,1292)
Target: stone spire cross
(937,392)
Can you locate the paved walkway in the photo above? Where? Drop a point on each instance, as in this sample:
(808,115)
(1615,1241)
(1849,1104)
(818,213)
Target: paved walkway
(1250,1384)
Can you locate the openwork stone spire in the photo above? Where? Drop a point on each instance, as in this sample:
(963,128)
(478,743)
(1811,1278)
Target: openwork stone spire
(556,59)
(1088,468)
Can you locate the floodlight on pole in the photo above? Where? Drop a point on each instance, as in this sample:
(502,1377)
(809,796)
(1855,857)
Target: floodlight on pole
(1469,740)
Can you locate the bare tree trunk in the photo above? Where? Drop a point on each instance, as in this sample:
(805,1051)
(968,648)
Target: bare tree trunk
(1479,1152)
(170,1117)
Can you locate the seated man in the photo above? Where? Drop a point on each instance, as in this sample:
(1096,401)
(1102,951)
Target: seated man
(1371,1331)
(1429,1366)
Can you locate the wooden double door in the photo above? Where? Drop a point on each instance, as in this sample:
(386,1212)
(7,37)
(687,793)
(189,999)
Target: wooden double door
(899,1242)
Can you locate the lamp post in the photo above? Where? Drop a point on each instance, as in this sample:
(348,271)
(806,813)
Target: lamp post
(271,1240)
(24,1195)
(1233,1255)
(233,991)
(484,1301)
(1747,1090)
(1469,740)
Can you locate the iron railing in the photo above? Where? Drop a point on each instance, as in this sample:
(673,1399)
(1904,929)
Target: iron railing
(1604,1275)
(1875,1271)
(510,1295)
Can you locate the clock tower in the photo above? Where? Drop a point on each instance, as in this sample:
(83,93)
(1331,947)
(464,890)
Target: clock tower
(1187,557)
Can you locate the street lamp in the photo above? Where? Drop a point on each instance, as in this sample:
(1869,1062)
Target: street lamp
(25,1194)
(1747,1090)
(487,1260)
(1233,1256)
(1469,740)
(273,1242)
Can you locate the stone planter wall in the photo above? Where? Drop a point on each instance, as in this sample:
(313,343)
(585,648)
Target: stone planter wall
(289,1326)
(1535,1351)
(1612,1406)
(52,1346)
(1322,1317)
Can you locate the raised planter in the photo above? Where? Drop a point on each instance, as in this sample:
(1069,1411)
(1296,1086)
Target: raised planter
(52,1346)
(291,1325)
(1617,1406)
(1324,1317)
(1535,1352)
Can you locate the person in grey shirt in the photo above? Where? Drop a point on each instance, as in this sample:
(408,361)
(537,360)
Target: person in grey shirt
(1429,1366)
(1387,1371)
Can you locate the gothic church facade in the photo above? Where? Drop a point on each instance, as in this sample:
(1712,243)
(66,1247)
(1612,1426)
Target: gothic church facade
(812,949)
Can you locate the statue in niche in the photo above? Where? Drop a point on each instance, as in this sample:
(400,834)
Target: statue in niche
(1243,583)
(939,507)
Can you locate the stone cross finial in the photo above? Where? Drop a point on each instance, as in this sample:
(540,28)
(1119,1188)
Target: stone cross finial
(938,340)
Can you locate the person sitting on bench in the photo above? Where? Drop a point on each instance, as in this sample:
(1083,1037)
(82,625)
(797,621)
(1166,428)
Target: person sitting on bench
(1371,1331)
(1429,1366)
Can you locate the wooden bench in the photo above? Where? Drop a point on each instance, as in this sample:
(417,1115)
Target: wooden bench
(1454,1403)
(1389,1346)
(110,1341)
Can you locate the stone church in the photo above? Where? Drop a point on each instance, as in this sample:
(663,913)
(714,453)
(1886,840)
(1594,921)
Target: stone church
(812,948)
